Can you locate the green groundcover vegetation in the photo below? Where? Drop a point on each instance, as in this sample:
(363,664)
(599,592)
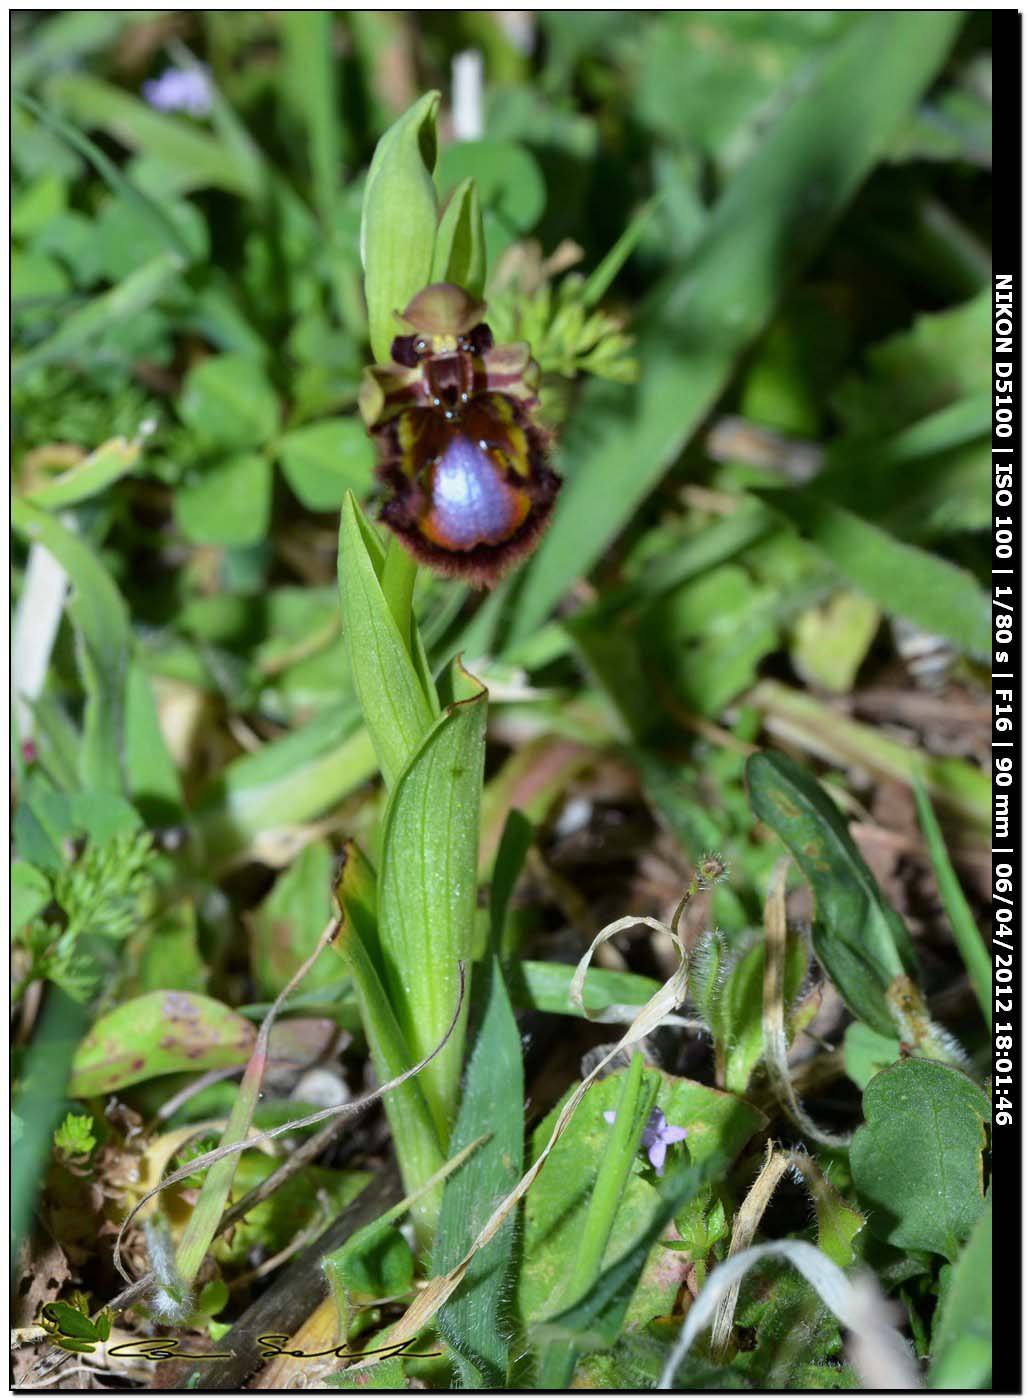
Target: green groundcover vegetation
(500,867)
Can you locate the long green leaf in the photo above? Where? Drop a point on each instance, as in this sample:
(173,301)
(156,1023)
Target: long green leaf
(472,1320)
(293,780)
(801,719)
(413,1132)
(426,888)
(768,222)
(637,1097)
(109,463)
(201,159)
(971,945)
(392,696)
(857,935)
(546,987)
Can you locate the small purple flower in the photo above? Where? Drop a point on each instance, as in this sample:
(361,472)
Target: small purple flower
(657,1135)
(181,90)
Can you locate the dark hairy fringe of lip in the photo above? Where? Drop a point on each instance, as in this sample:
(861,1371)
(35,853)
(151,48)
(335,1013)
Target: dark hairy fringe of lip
(484,564)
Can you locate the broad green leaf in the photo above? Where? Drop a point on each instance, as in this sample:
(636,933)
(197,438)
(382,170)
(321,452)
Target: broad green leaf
(939,360)
(396,708)
(771,217)
(961,1342)
(427,887)
(472,1321)
(65,36)
(397,228)
(109,463)
(158,1033)
(35,276)
(100,618)
(460,241)
(597,1320)
(38,204)
(916,1162)
(830,642)
(228,503)
(286,925)
(127,238)
(860,939)
(322,461)
(229,403)
(386,1375)
(904,580)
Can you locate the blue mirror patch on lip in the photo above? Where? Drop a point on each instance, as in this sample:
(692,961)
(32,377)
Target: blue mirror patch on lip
(471,504)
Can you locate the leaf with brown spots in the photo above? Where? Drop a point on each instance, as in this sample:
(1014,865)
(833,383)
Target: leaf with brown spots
(159,1033)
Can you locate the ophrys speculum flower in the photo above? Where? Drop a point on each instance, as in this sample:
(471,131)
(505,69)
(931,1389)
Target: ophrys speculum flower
(459,446)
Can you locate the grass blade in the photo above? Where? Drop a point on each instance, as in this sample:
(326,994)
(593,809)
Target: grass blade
(903,579)
(109,463)
(636,1099)
(139,290)
(311,67)
(768,222)
(199,158)
(162,225)
(964,929)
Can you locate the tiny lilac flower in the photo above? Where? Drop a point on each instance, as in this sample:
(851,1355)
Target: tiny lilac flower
(180,90)
(657,1136)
